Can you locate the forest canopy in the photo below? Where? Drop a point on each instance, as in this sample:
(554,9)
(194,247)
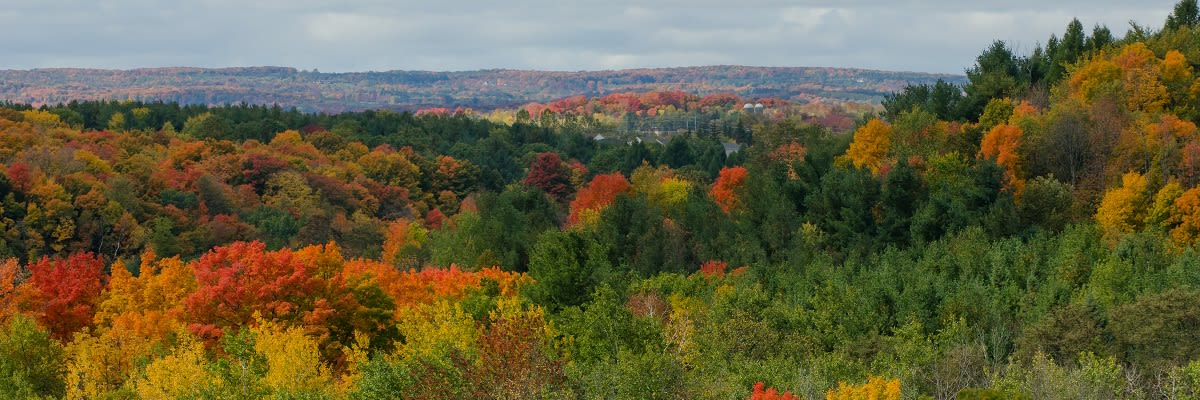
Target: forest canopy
(1030,233)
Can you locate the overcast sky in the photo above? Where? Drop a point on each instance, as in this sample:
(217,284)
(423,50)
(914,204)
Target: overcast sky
(361,35)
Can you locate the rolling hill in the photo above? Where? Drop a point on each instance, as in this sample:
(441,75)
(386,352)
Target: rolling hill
(409,90)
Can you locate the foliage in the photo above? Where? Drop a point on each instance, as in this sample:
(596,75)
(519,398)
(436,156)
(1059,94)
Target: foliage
(1027,234)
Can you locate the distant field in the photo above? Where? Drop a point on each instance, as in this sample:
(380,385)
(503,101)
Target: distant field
(410,90)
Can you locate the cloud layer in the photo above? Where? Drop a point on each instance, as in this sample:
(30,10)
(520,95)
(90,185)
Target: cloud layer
(338,35)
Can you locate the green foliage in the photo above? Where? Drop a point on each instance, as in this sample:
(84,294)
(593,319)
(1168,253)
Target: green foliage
(566,266)
(31,363)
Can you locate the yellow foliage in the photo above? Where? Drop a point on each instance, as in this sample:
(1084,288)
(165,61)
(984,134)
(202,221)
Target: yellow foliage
(289,136)
(1121,209)
(44,119)
(680,330)
(92,163)
(1089,81)
(1144,90)
(293,359)
(660,185)
(100,364)
(1176,69)
(324,260)
(1164,205)
(870,146)
(356,356)
(430,329)
(876,388)
(513,308)
(588,217)
(181,374)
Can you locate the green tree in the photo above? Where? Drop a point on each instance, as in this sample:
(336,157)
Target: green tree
(31,363)
(566,266)
(1185,14)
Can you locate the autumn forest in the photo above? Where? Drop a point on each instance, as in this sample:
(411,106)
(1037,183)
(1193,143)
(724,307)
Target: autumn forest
(1028,233)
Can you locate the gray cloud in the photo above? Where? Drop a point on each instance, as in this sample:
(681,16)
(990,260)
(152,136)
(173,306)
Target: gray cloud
(339,35)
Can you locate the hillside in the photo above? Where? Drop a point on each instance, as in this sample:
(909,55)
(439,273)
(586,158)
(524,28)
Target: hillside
(411,90)
(1031,233)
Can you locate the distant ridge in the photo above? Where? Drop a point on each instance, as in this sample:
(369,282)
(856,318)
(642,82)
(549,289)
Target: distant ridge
(409,90)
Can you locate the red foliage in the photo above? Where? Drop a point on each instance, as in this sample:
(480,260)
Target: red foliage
(1189,166)
(770,394)
(713,268)
(63,294)
(727,184)
(258,168)
(598,193)
(440,111)
(393,200)
(242,279)
(549,173)
(434,219)
(20,176)
(627,102)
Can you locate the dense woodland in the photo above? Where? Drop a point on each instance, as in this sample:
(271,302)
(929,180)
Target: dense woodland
(1029,234)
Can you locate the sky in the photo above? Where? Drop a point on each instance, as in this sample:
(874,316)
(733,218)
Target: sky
(942,36)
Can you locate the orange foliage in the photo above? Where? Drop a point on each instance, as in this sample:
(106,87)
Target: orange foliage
(151,304)
(399,235)
(413,287)
(789,153)
(724,190)
(1187,215)
(1170,129)
(1023,110)
(1001,144)
(10,269)
(597,195)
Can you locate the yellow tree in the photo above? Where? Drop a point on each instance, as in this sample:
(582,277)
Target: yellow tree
(870,145)
(1163,207)
(1177,75)
(183,373)
(428,329)
(293,360)
(1141,73)
(876,388)
(660,185)
(1121,210)
(99,365)
(1093,79)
